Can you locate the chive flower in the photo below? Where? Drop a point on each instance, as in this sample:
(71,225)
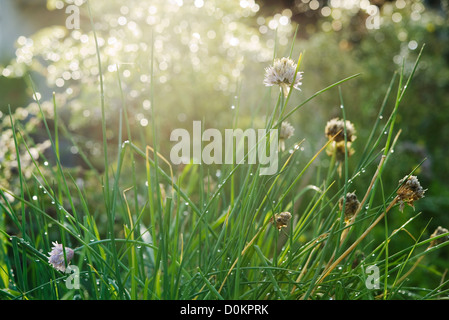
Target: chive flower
(285,132)
(351,203)
(336,127)
(282,73)
(56,258)
(439,231)
(281,219)
(409,191)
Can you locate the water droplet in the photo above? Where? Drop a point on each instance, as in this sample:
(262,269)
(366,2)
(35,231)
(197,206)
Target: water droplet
(392,151)
(381,117)
(385,132)
(232,107)
(46,163)
(34,198)
(341,106)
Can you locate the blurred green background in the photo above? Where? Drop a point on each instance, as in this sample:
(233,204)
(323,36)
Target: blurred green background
(207,60)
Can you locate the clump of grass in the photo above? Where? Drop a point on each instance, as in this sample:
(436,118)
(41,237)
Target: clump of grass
(190,233)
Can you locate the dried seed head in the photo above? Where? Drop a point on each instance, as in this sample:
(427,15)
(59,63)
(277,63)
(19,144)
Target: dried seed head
(336,126)
(338,148)
(439,231)
(409,191)
(352,204)
(281,219)
(56,258)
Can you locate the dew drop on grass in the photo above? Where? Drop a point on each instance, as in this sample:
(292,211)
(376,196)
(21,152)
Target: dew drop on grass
(35,198)
(381,117)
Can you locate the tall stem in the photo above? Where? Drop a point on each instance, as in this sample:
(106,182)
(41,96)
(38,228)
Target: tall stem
(348,251)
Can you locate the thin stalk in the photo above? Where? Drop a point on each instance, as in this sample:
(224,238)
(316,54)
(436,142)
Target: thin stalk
(352,247)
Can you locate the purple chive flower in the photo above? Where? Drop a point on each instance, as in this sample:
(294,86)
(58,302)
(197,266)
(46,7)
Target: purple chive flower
(56,258)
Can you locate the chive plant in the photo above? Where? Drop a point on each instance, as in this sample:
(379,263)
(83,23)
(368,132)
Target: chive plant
(202,232)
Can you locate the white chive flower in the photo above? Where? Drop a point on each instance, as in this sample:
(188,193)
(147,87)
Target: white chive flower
(285,132)
(56,258)
(282,73)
